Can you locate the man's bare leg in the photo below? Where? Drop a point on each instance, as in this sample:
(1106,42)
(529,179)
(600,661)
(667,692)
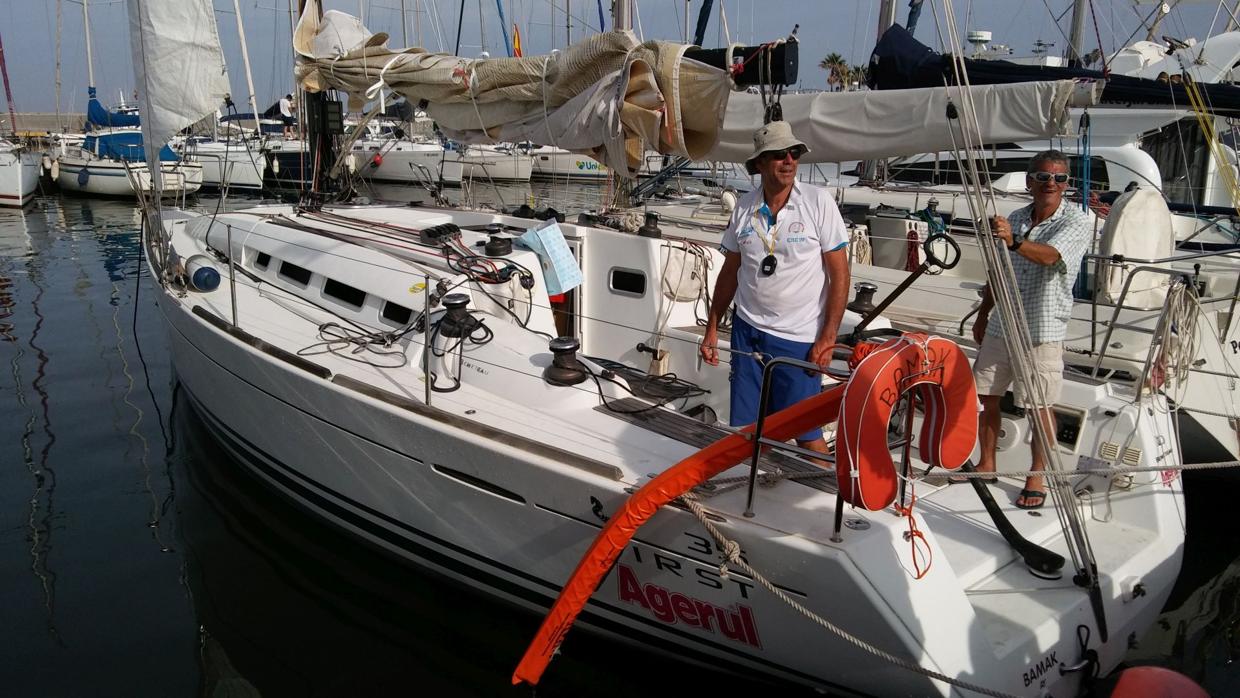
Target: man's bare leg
(1035,483)
(819,445)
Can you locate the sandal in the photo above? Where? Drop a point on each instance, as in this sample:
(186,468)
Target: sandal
(1037,496)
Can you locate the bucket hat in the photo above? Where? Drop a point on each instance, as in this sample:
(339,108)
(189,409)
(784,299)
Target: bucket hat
(776,135)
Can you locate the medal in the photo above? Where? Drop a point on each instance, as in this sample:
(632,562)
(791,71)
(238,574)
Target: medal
(768,265)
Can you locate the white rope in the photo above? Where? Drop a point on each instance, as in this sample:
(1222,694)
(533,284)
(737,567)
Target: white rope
(732,552)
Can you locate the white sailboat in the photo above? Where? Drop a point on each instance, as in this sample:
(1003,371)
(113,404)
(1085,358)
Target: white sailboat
(19,167)
(110,161)
(390,369)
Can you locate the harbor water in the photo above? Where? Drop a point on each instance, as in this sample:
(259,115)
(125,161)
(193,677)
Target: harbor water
(137,560)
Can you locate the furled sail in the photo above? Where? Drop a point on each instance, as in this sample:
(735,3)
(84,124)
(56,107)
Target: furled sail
(610,96)
(178,66)
(613,98)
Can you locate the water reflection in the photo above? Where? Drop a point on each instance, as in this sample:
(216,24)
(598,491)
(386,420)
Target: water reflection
(23,286)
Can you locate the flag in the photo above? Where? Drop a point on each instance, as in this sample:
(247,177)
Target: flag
(516,41)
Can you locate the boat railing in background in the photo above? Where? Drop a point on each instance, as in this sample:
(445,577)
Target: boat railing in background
(1158,335)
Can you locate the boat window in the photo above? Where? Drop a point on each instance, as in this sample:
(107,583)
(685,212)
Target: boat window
(396,313)
(344,293)
(294,273)
(262,260)
(629,282)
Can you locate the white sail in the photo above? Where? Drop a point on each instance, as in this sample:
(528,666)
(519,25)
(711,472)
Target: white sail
(178,66)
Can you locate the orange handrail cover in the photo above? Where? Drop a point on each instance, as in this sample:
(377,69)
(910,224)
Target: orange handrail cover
(637,509)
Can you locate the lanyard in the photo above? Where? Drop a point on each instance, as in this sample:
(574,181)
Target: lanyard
(761,219)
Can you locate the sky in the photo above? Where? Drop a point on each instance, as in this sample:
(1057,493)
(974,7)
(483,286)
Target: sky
(848,27)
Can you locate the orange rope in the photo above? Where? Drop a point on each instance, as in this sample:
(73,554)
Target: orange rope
(914,534)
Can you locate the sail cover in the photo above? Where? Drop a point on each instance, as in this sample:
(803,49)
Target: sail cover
(610,96)
(178,66)
(862,125)
(899,61)
(97,115)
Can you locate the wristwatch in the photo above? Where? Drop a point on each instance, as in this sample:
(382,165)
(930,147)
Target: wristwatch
(1016,243)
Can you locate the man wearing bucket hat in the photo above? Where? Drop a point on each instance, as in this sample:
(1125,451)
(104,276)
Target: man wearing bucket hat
(786,266)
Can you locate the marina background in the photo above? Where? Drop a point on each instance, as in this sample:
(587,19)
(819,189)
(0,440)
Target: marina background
(136,559)
(846,27)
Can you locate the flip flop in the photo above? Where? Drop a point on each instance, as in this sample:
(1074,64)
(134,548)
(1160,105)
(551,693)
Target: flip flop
(1027,494)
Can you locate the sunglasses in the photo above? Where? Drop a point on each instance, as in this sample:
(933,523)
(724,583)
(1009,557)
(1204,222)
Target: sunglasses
(1044,177)
(778,155)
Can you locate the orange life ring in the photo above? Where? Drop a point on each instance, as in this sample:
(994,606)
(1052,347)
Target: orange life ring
(939,371)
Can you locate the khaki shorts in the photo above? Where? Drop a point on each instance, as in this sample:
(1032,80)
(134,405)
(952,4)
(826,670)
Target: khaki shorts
(992,371)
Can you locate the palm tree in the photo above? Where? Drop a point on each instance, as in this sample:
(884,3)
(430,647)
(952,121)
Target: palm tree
(858,74)
(837,70)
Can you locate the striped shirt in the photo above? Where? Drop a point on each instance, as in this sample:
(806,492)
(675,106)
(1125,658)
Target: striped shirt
(1046,290)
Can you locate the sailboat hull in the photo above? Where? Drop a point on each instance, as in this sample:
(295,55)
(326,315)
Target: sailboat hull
(105,177)
(19,177)
(503,506)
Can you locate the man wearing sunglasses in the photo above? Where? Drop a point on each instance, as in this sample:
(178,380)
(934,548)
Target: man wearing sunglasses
(786,266)
(1046,241)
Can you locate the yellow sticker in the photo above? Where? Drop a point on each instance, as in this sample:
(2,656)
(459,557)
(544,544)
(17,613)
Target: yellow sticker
(418,287)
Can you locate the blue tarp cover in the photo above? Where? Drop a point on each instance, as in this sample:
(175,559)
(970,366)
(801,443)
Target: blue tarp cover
(96,115)
(124,146)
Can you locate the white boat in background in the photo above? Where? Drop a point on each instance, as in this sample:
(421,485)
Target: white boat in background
(112,163)
(558,163)
(486,162)
(19,167)
(425,161)
(229,164)
(19,174)
(404,160)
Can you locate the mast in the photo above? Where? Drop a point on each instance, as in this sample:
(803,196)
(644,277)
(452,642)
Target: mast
(60,124)
(1159,14)
(404,25)
(886,16)
(8,93)
(245,59)
(1078,30)
(90,62)
(622,19)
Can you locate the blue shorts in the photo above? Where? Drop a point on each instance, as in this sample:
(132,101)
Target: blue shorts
(789,384)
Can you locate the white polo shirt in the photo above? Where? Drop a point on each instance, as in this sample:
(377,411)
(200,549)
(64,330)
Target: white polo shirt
(789,303)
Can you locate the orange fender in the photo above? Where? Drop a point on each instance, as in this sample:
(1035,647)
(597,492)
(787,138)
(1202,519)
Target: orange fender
(637,509)
(1156,682)
(939,371)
